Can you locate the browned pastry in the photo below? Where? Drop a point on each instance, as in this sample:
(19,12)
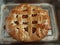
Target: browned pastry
(28,23)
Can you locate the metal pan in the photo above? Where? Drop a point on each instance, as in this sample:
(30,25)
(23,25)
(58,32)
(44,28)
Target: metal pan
(5,9)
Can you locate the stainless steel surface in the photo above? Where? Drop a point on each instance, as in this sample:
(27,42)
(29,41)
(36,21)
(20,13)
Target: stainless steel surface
(52,34)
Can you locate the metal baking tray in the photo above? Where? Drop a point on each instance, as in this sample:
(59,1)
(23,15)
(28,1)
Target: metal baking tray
(5,9)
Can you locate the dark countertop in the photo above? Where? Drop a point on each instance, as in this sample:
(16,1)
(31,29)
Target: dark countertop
(56,4)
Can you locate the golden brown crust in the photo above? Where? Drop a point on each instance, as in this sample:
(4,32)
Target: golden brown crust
(28,23)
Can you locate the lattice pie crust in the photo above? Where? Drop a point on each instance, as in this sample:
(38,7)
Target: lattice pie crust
(28,23)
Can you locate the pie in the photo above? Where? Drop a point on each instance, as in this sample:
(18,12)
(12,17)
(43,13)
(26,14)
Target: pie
(28,23)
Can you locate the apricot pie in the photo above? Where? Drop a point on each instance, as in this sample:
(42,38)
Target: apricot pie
(28,23)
